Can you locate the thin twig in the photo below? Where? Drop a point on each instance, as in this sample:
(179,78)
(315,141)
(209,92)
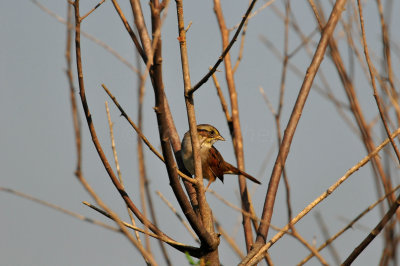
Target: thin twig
(349,225)
(79,175)
(142,136)
(254,13)
(326,234)
(174,243)
(142,30)
(257,256)
(366,134)
(240,56)
(130,31)
(292,125)
(227,237)
(180,218)
(58,208)
(308,246)
(251,215)
(93,9)
(114,179)
(374,233)
(222,99)
(74,109)
(211,239)
(234,127)
(86,35)
(372,78)
(225,52)
(110,125)
(394,96)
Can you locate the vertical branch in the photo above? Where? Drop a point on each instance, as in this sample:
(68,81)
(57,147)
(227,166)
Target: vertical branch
(280,104)
(129,30)
(144,181)
(357,112)
(292,125)
(388,59)
(175,140)
(110,125)
(372,76)
(74,109)
(79,175)
(205,210)
(142,29)
(93,134)
(236,130)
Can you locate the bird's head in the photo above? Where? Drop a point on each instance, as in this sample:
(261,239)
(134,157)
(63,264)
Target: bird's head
(208,135)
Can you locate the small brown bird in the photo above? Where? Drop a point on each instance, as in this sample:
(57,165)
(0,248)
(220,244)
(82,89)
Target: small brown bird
(213,165)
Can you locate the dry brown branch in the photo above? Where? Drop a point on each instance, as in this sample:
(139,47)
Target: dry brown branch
(378,228)
(87,35)
(143,181)
(117,184)
(180,218)
(326,234)
(348,226)
(259,254)
(279,112)
(129,30)
(142,136)
(207,238)
(277,115)
(251,214)
(388,59)
(172,243)
(93,9)
(231,242)
(142,29)
(203,206)
(290,129)
(58,208)
(308,246)
(255,13)
(110,125)
(325,93)
(225,52)
(74,109)
(222,100)
(372,79)
(113,148)
(240,56)
(338,104)
(235,128)
(379,173)
(78,173)
(204,209)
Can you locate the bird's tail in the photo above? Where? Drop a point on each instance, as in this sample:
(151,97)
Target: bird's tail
(233,170)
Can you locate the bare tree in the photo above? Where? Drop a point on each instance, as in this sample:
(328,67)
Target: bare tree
(338,32)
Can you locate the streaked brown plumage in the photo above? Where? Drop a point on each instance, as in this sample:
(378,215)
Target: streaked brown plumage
(213,165)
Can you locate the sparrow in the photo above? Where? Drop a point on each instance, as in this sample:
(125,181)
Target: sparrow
(213,165)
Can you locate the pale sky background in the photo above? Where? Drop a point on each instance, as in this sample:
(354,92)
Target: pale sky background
(37,149)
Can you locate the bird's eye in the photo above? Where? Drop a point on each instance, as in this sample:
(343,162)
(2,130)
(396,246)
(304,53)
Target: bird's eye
(212,133)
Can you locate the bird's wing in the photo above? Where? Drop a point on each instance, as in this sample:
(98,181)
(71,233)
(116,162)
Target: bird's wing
(215,163)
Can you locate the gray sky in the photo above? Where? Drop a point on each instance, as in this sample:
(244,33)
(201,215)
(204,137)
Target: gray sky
(37,152)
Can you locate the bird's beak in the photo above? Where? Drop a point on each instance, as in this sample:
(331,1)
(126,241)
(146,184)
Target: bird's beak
(220,138)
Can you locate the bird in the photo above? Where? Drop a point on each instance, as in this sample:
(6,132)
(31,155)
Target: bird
(213,165)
